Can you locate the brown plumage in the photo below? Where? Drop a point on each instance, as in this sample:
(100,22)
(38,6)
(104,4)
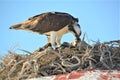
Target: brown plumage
(46,23)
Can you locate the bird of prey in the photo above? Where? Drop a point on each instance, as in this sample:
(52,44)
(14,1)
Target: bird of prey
(53,24)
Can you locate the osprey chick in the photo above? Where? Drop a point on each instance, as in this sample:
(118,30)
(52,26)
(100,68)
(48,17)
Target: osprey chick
(53,24)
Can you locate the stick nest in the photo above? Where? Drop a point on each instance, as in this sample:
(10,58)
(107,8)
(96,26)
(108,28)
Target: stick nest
(65,59)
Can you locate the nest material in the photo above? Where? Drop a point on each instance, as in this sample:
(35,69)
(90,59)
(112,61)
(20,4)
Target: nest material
(65,59)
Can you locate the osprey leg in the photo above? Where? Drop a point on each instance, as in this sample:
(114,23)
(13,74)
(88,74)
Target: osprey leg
(58,41)
(53,36)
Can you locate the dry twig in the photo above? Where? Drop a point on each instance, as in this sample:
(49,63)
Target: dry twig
(64,60)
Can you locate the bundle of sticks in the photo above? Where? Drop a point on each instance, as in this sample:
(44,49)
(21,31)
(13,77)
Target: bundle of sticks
(65,59)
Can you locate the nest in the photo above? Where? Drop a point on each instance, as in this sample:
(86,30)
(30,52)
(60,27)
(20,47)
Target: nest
(65,59)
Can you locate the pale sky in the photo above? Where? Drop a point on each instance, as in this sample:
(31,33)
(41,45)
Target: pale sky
(100,19)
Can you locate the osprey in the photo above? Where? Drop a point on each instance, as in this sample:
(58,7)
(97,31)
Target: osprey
(53,24)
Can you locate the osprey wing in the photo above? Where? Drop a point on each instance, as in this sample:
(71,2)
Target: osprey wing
(46,22)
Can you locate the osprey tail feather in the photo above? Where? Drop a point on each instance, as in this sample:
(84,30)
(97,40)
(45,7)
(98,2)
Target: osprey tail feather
(16,26)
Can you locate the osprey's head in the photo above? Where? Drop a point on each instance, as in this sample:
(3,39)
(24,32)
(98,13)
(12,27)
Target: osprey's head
(76,30)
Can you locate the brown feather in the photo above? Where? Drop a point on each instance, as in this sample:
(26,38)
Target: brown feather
(47,22)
